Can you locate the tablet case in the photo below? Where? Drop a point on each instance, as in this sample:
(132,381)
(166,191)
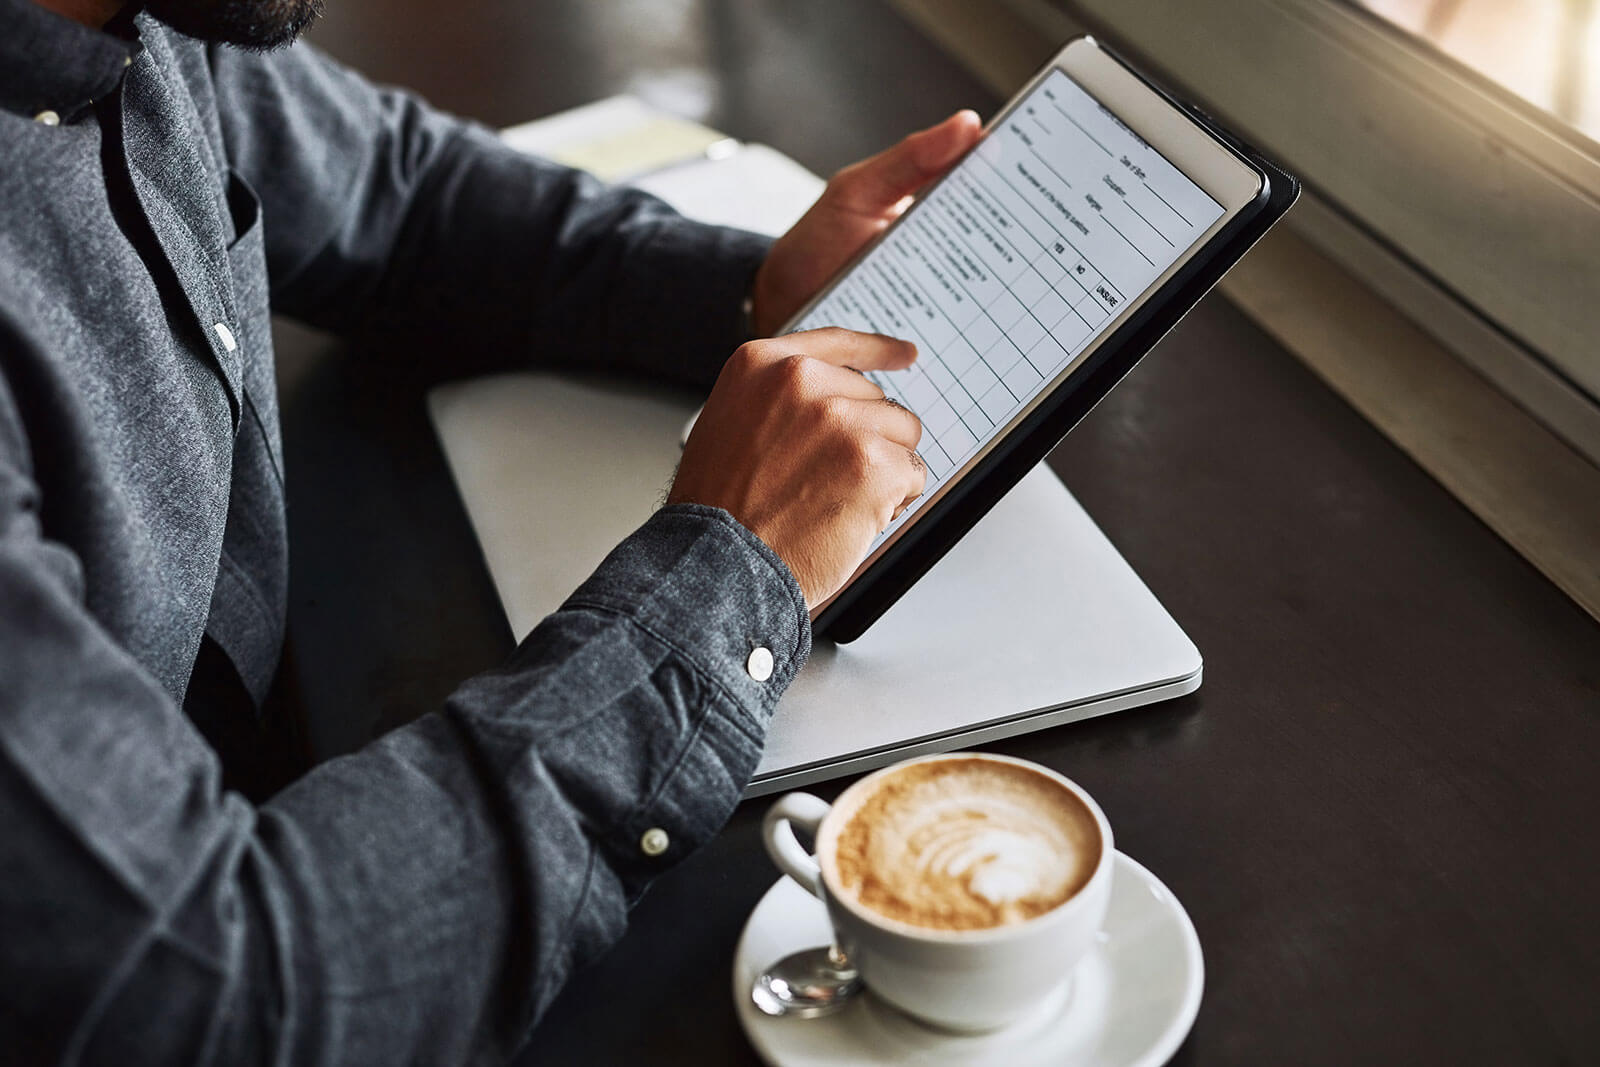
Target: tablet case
(926,541)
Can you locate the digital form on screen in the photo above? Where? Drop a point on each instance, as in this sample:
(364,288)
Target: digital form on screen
(1010,269)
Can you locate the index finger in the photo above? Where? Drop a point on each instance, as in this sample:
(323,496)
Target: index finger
(853,349)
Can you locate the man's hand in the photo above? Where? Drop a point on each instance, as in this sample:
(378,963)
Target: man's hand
(858,203)
(806,452)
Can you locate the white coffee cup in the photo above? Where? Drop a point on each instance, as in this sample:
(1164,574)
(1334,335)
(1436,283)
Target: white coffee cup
(965,980)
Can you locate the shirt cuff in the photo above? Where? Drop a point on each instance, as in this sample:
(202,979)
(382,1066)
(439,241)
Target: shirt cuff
(700,582)
(721,601)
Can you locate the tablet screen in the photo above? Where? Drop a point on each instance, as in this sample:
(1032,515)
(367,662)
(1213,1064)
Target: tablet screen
(1007,272)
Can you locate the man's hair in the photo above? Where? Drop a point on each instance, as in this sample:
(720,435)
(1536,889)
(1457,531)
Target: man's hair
(259,25)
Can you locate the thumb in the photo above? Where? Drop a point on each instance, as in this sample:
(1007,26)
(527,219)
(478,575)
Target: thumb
(876,184)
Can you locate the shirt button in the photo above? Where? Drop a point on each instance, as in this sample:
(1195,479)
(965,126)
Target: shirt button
(225,335)
(759,664)
(654,842)
(47,118)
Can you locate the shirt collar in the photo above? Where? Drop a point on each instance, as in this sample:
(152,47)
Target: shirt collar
(49,63)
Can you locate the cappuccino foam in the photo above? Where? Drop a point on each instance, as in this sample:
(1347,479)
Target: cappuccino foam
(966,844)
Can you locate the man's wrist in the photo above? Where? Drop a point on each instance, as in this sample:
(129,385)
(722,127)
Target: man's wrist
(758,303)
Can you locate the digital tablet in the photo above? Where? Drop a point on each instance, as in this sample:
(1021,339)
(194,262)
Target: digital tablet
(1092,214)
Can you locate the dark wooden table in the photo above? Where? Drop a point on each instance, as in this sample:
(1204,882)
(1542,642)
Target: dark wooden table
(1380,809)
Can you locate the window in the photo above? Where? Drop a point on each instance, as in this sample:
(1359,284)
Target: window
(1484,197)
(1547,52)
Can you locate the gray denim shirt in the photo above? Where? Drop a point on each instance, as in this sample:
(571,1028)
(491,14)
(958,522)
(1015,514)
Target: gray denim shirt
(422,900)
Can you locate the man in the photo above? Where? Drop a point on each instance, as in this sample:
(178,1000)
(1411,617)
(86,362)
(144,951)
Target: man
(424,899)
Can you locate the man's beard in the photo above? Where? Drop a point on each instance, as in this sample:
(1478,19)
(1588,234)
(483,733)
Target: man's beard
(259,25)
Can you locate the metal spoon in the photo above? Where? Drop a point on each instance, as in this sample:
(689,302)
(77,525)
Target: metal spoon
(808,984)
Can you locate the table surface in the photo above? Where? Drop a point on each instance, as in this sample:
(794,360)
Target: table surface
(1380,810)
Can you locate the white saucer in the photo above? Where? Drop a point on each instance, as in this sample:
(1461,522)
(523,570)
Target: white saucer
(1130,1004)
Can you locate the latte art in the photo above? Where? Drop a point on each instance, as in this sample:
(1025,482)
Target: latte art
(996,850)
(965,844)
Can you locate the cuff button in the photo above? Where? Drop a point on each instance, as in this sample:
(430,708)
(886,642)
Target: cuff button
(760,664)
(654,842)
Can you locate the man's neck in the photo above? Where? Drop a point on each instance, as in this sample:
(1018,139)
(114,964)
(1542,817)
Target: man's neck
(92,13)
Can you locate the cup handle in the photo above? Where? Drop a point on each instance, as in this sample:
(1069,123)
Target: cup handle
(777,831)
